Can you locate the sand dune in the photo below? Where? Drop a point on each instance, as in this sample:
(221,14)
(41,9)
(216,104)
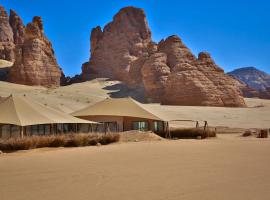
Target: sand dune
(228,167)
(77,96)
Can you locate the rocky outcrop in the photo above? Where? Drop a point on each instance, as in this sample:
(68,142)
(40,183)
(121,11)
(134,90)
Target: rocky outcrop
(174,76)
(253,82)
(35,63)
(6,37)
(253,77)
(120,43)
(18,28)
(155,72)
(168,72)
(265,94)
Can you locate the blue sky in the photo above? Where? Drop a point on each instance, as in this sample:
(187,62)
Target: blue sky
(235,32)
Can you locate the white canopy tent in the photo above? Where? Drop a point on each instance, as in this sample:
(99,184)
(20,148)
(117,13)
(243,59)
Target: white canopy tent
(23,111)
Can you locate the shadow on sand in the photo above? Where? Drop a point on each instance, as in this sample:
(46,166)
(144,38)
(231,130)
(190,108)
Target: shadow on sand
(121,90)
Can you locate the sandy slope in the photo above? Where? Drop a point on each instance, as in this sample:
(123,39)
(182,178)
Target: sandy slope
(77,96)
(4,63)
(225,168)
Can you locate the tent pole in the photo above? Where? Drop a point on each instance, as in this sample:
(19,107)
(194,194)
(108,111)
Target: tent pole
(22,131)
(205,127)
(165,128)
(50,129)
(56,129)
(168,133)
(10,130)
(169,130)
(91,128)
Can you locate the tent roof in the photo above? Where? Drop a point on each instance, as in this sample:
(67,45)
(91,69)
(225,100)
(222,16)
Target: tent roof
(23,111)
(126,107)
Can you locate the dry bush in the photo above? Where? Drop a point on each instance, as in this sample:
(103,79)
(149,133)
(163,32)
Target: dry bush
(247,133)
(68,140)
(192,133)
(263,133)
(110,138)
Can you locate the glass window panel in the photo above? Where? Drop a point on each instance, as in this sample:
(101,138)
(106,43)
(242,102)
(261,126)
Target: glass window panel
(141,126)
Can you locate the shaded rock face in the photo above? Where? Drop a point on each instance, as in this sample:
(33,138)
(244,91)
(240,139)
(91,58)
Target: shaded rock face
(35,63)
(18,28)
(120,43)
(250,92)
(155,72)
(265,94)
(168,72)
(174,76)
(4,73)
(6,37)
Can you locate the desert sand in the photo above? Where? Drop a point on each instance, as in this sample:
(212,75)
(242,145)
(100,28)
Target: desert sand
(4,64)
(228,167)
(76,96)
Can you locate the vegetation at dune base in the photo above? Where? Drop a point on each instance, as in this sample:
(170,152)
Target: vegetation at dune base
(65,140)
(192,133)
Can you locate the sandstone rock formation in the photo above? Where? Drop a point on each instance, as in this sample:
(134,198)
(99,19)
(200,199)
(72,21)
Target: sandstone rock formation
(6,37)
(177,77)
(18,28)
(168,72)
(120,43)
(35,63)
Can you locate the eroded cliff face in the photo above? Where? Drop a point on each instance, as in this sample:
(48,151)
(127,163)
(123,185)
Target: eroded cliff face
(174,76)
(17,27)
(35,62)
(30,51)
(168,72)
(6,37)
(121,42)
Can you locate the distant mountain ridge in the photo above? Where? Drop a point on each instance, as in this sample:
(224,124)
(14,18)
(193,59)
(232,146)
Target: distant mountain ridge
(253,77)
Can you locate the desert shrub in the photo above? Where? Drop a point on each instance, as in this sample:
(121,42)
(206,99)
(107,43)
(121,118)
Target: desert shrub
(247,133)
(57,141)
(109,138)
(192,133)
(263,133)
(68,140)
(77,140)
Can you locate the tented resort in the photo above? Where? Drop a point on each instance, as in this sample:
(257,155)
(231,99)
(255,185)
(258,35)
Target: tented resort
(21,116)
(125,114)
(122,114)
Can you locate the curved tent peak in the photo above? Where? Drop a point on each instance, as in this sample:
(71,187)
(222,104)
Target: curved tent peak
(126,107)
(23,111)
